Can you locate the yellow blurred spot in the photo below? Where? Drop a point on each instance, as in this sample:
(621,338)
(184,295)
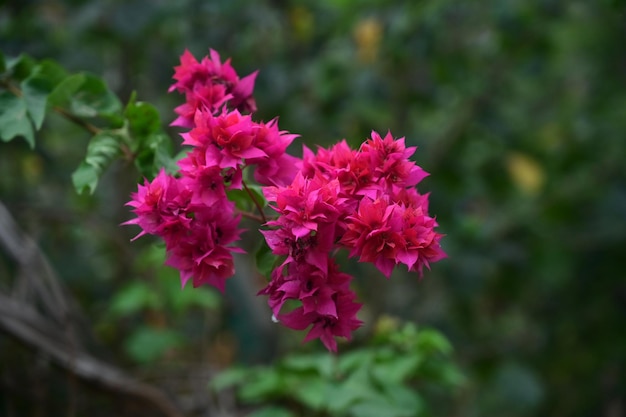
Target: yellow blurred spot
(32,168)
(386,325)
(302,22)
(367,35)
(526,173)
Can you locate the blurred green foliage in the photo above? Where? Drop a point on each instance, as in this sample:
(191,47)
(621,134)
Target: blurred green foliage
(157,310)
(398,374)
(518,111)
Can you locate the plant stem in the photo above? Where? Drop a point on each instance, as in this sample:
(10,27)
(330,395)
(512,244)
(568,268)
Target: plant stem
(256,203)
(75,119)
(12,88)
(252,216)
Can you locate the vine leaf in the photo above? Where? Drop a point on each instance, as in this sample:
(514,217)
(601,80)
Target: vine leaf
(103,148)
(265,260)
(14,121)
(152,146)
(86,95)
(45,76)
(35,90)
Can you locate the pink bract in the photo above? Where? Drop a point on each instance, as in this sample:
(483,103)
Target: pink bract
(208,85)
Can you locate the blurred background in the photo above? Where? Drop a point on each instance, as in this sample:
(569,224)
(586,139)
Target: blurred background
(518,109)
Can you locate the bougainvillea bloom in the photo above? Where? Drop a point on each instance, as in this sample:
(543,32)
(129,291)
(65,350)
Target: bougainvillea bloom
(327,327)
(205,254)
(208,85)
(363,200)
(327,301)
(387,234)
(228,139)
(160,206)
(306,203)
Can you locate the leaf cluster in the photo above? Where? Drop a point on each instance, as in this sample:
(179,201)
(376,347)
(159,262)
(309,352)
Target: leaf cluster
(393,376)
(156,300)
(31,90)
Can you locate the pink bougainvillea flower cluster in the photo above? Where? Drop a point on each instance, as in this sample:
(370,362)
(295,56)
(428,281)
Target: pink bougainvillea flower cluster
(209,84)
(191,211)
(364,200)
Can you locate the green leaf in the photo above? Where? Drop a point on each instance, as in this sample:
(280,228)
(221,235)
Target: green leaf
(451,375)
(154,153)
(85,177)
(351,361)
(265,259)
(3,65)
(377,407)
(229,378)
(149,344)
(240,198)
(429,341)
(355,388)
(323,363)
(257,192)
(163,154)
(14,120)
(20,67)
(85,95)
(132,299)
(402,396)
(194,297)
(148,140)
(396,370)
(51,71)
(311,391)
(35,90)
(62,94)
(101,151)
(272,411)
(265,384)
(143,119)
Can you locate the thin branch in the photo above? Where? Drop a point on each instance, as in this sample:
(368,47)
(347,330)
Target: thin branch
(50,331)
(12,88)
(77,120)
(79,364)
(254,200)
(252,216)
(19,246)
(15,90)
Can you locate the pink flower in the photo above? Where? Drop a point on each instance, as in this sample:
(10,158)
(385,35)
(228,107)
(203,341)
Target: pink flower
(208,85)
(374,233)
(421,242)
(205,182)
(306,203)
(327,327)
(327,301)
(204,98)
(389,159)
(161,206)
(351,168)
(277,167)
(208,183)
(228,139)
(278,171)
(312,249)
(204,254)
(387,234)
